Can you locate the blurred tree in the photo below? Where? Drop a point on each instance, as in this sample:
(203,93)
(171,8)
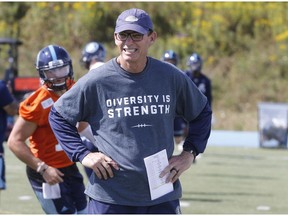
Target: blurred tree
(10,14)
(240,42)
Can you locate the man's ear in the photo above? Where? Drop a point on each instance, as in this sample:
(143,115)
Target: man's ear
(115,40)
(153,37)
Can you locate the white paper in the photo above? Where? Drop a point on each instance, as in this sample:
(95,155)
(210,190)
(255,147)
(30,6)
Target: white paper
(51,191)
(155,164)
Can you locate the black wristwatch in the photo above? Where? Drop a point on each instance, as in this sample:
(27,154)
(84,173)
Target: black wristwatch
(191,152)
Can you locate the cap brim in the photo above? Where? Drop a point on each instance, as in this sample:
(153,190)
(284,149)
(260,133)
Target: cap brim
(131,27)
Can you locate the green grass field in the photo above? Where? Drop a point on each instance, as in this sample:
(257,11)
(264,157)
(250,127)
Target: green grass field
(225,180)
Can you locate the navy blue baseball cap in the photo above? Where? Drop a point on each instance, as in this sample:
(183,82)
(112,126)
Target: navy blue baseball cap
(135,20)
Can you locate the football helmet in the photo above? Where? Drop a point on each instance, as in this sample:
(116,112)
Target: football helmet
(170,56)
(92,51)
(55,68)
(195,63)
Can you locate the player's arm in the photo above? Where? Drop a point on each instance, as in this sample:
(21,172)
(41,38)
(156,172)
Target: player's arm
(12,108)
(209,92)
(17,142)
(21,131)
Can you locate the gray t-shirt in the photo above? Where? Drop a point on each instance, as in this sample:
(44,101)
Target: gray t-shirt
(131,116)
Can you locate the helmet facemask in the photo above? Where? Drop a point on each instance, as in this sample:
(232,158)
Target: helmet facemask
(195,67)
(57,78)
(195,63)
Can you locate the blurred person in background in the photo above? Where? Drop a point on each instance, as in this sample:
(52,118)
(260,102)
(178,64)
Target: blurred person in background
(55,179)
(194,71)
(180,125)
(8,106)
(93,55)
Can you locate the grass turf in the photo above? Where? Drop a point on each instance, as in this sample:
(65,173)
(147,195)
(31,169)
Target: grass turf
(224,180)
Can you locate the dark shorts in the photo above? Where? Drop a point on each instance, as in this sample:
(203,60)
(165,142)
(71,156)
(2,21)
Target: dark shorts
(96,207)
(72,201)
(2,173)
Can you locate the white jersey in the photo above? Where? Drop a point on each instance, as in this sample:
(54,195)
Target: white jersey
(96,65)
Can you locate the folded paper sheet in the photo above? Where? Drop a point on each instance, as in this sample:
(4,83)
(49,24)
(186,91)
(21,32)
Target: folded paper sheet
(51,191)
(155,164)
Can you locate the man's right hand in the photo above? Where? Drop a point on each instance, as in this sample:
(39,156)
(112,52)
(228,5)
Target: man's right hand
(101,164)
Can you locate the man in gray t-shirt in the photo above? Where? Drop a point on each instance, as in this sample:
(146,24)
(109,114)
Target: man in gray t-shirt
(131,102)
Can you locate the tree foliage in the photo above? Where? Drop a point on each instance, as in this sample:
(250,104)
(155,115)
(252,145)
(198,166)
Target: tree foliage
(243,44)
